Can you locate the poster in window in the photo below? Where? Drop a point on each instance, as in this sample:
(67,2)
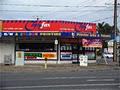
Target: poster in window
(91,55)
(66,55)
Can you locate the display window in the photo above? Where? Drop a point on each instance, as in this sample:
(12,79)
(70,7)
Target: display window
(37,46)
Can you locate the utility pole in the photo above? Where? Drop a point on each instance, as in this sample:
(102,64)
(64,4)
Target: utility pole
(115,29)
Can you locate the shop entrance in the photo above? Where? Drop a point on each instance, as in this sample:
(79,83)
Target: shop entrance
(77,50)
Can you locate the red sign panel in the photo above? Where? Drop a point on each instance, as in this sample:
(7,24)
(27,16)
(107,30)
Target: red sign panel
(47,26)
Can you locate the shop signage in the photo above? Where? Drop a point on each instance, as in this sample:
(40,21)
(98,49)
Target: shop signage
(33,34)
(47,26)
(92,43)
(57,34)
(90,35)
(39,55)
(66,55)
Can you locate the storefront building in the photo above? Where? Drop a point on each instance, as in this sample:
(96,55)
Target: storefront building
(59,41)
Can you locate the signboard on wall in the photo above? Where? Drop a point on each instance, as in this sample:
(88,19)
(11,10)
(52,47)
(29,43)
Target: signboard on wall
(66,55)
(92,43)
(47,26)
(40,55)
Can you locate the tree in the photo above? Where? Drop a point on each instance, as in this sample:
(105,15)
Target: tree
(105,28)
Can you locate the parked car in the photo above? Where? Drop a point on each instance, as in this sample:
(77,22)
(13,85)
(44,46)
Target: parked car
(107,55)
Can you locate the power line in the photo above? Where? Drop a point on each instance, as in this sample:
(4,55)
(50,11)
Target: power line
(47,11)
(93,12)
(102,19)
(51,5)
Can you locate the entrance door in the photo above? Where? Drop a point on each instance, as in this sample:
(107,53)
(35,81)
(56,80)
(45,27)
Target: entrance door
(75,53)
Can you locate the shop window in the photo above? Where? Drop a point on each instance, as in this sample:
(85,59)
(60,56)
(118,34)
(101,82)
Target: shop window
(36,46)
(66,47)
(75,47)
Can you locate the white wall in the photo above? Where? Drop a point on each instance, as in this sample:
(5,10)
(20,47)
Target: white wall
(7,47)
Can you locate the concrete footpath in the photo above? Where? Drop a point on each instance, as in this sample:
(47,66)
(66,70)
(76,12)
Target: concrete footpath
(57,67)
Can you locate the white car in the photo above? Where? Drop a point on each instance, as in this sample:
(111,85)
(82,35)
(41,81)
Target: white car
(108,55)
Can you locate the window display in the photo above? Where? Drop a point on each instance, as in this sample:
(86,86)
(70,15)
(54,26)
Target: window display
(37,46)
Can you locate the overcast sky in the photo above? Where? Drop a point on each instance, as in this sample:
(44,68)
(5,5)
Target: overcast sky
(73,10)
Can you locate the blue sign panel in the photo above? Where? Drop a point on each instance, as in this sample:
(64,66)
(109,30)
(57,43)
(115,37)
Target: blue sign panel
(41,34)
(57,34)
(90,35)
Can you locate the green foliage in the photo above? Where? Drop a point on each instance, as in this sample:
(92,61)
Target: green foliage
(105,28)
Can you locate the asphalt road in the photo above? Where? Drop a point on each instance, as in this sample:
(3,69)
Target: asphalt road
(70,80)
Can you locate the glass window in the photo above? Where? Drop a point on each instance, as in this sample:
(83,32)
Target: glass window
(37,46)
(66,47)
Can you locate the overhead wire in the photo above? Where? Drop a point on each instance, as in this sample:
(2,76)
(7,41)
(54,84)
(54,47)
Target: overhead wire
(102,19)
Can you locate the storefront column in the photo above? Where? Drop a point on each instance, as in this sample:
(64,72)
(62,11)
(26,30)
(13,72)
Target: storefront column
(58,51)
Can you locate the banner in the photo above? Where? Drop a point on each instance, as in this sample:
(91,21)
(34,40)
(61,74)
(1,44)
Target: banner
(40,55)
(92,43)
(47,26)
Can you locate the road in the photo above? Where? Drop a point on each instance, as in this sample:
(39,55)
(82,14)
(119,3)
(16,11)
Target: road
(64,80)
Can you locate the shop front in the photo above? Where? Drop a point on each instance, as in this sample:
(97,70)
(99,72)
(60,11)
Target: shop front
(59,41)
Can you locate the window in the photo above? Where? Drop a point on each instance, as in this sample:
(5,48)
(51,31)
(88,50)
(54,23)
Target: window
(37,46)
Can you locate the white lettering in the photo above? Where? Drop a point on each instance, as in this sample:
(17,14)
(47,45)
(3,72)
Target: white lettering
(88,27)
(44,25)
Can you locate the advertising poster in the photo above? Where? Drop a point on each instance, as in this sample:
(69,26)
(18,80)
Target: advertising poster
(40,55)
(47,26)
(92,43)
(91,55)
(66,55)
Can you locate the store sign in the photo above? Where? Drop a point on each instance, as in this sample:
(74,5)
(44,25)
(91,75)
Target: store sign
(33,34)
(66,55)
(90,35)
(92,43)
(47,26)
(40,55)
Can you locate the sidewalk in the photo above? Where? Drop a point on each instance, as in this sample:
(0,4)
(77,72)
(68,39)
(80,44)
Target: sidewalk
(58,67)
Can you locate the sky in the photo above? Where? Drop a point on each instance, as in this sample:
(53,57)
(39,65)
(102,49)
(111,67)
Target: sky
(95,11)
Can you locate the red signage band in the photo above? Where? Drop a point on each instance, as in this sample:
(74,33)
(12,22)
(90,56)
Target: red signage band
(47,26)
